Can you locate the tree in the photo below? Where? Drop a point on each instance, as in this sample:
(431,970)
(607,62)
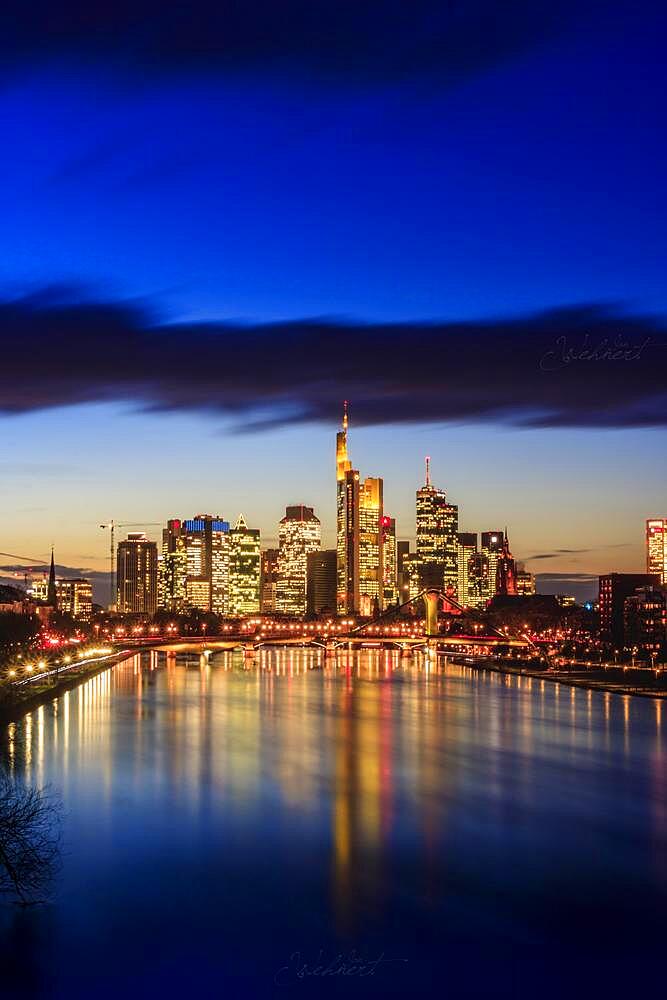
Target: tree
(29,840)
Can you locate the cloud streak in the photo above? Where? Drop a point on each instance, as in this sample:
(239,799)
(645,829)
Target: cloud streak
(367,40)
(60,349)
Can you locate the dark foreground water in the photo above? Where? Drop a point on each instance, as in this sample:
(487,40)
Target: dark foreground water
(487,836)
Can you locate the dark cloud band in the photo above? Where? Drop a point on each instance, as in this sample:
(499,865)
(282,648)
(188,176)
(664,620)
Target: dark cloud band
(607,367)
(330,39)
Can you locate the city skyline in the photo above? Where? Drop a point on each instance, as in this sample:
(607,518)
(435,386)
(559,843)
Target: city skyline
(548,535)
(418,240)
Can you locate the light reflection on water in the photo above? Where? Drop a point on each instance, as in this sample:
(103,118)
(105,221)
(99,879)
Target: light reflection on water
(372,800)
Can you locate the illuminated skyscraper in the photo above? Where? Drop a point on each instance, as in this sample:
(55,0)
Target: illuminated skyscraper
(298,534)
(269,581)
(172,568)
(347,526)
(437,538)
(491,547)
(506,571)
(371,561)
(389,562)
(467,550)
(656,547)
(244,569)
(137,575)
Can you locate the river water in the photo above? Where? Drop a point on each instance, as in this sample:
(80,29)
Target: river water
(427,828)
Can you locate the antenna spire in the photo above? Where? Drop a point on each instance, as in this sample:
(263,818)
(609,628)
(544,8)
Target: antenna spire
(428,470)
(345,415)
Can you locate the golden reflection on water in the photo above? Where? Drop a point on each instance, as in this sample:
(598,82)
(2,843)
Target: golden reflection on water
(338,733)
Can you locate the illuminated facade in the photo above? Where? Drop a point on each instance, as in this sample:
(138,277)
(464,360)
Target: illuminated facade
(491,546)
(479,586)
(656,547)
(194,564)
(73,597)
(614,589)
(371,562)
(506,571)
(467,550)
(172,568)
(136,569)
(525,583)
(437,538)
(389,562)
(298,534)
(347,526)
(645,620)
(244,569)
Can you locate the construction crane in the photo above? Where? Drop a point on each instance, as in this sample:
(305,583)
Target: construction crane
(111,526)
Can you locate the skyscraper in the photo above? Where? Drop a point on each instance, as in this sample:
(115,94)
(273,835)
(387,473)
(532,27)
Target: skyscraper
(506,571)
(371,571)
(268,581)
(347,526)
(172,568)
(437,538)
(656,547)
(321,582)
(137,575)
(244,569)
(491,546)
(194,564)
(467,550)
(389,562)
(298,534)
(403,570)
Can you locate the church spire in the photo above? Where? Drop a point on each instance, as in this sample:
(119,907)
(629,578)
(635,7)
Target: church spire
(428,471)
(51,596)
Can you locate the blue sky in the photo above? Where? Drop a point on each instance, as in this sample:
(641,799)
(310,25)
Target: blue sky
(536,181)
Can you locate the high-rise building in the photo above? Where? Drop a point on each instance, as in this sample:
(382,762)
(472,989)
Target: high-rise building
(268,581)
(298,534)
(321,582)
(244,569)
(656,547)
(403,570)
(479,587)
(492,546)
(194,564)
(137,575)
(389,562)
(467,549)
(614,589)
(347,526)
(371,570)
(525,583)
(645,619)
(506,571)
(437,538)
(172,568)
(73,596)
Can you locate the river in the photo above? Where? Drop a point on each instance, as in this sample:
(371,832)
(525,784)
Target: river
(429,829)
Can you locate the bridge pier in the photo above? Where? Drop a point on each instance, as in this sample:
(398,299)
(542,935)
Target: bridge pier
(431,599)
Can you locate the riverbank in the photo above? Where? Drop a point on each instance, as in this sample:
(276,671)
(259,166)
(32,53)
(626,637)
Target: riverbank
(614,680)
(17,700)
